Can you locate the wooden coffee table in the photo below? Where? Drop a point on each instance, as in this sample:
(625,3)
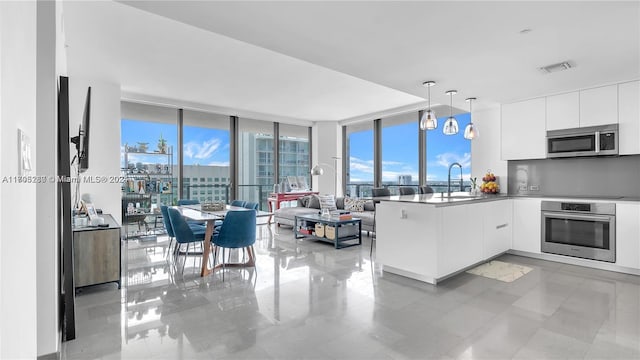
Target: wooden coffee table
(351,229)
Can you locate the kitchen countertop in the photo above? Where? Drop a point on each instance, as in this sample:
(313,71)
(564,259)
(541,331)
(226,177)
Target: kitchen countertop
(460,198)
(456,198)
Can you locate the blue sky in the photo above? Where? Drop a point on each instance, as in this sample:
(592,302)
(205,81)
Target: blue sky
(202,146)
(400,155)
(206,146)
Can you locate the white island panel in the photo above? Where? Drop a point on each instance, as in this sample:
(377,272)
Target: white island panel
(406,244)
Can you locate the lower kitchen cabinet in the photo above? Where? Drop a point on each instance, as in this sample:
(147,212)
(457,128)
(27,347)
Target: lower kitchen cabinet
(497,227)
(526,225)
(628,234)
(428,243)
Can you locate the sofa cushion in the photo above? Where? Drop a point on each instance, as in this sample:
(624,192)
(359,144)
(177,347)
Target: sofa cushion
(354,204)
(327,202)
(340,202)
(369,206)
(304,201)
(314,202)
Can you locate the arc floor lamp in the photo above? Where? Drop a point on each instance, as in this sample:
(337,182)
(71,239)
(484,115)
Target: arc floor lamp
(318,170)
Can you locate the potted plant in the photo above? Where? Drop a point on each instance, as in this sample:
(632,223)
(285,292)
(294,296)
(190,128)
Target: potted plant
(162,145)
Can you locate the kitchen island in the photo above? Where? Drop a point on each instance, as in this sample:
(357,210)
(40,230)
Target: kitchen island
(432,236)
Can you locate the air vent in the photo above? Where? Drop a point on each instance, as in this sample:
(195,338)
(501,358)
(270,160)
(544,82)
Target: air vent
(565,65)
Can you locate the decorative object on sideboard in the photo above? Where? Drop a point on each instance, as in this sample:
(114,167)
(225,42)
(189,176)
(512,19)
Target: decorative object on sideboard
(451,125)
(471,131)
(428,120)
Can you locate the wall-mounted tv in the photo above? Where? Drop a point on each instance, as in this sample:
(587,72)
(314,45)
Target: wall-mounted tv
(82,140)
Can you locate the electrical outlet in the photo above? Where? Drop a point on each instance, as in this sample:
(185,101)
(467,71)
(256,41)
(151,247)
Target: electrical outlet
(403,214)
(523,188)
(534,187)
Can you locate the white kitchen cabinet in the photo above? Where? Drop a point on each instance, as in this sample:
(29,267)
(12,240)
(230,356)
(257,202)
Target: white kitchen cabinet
(629,117)
(527,225)
(628,234)
(563,111)
(523,130)
(599,106)
(497,227)
(462,238)
(427,243)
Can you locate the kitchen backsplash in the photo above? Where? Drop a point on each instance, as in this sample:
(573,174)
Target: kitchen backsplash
(604,176)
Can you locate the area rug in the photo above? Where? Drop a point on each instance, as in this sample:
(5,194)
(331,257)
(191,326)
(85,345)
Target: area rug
(499,270)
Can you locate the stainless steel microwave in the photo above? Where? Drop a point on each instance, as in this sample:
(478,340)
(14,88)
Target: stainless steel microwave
(586,141)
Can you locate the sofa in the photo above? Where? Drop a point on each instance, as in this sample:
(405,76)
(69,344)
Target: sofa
(311,205)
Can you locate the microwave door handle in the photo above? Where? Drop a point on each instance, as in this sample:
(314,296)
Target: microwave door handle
(597,142)
(565,216)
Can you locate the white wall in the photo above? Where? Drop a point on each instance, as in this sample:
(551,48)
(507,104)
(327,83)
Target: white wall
(485,150)
(46,211)
(327,144)
(104,144)
(18,307)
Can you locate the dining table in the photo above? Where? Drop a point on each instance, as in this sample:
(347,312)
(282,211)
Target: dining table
(209,217)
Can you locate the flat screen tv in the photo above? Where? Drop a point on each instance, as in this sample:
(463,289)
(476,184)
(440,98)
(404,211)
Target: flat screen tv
(82,140)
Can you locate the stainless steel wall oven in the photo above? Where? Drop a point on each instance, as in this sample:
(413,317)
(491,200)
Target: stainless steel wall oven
(585,230)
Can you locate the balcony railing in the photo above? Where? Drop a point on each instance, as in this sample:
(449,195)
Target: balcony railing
(363,190)
(255,193)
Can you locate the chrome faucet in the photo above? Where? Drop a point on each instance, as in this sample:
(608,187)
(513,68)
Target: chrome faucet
(449,178)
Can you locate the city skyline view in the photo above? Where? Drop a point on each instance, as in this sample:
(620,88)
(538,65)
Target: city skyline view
(210,147)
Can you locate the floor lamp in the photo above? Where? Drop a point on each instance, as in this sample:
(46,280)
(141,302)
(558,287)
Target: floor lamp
(319,170)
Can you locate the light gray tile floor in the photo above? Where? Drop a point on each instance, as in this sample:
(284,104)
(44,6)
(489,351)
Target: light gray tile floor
(306,300)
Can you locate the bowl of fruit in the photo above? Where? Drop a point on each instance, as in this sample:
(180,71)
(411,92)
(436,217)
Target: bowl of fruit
(489,183)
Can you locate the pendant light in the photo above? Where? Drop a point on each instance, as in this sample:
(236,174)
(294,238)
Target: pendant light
(428,121)
(451,125)
(471,131)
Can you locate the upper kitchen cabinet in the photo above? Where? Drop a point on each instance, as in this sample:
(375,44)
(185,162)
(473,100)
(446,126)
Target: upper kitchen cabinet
(523,130)
(563,111)
(629,117)
(599,106)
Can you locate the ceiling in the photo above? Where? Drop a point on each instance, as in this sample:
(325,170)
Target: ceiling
(302,61)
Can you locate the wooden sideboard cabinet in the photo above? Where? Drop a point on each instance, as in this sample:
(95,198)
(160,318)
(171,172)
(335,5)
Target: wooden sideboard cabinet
(97,254)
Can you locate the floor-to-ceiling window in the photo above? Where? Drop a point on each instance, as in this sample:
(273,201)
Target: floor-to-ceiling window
(359,159)
(444,150)
(205,157)
(294,155)
(255,160)
(148,159)
(400,151)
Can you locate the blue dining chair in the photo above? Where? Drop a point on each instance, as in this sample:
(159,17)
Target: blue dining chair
(238,203)
(184,233)
(251,205)
(188,202)
(238,231)
(167,225)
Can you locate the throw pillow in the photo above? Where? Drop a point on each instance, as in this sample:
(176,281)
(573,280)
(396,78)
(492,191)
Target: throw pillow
(369,206)
(314,202)
(327,202)
(354,204)
(304,201)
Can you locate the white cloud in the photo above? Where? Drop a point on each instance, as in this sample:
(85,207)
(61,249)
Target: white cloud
(446,159)
(219,163)
(201,151)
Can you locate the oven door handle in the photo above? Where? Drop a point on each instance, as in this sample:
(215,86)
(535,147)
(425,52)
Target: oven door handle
(563,216)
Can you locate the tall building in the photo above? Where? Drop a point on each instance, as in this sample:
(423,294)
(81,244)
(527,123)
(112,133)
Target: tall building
(256,177)
(404,179)
(205,183)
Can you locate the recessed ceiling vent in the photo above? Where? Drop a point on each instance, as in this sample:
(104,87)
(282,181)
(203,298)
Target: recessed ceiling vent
(565,65)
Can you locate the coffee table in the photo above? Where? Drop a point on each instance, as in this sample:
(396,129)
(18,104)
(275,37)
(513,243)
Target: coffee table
(351,229)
